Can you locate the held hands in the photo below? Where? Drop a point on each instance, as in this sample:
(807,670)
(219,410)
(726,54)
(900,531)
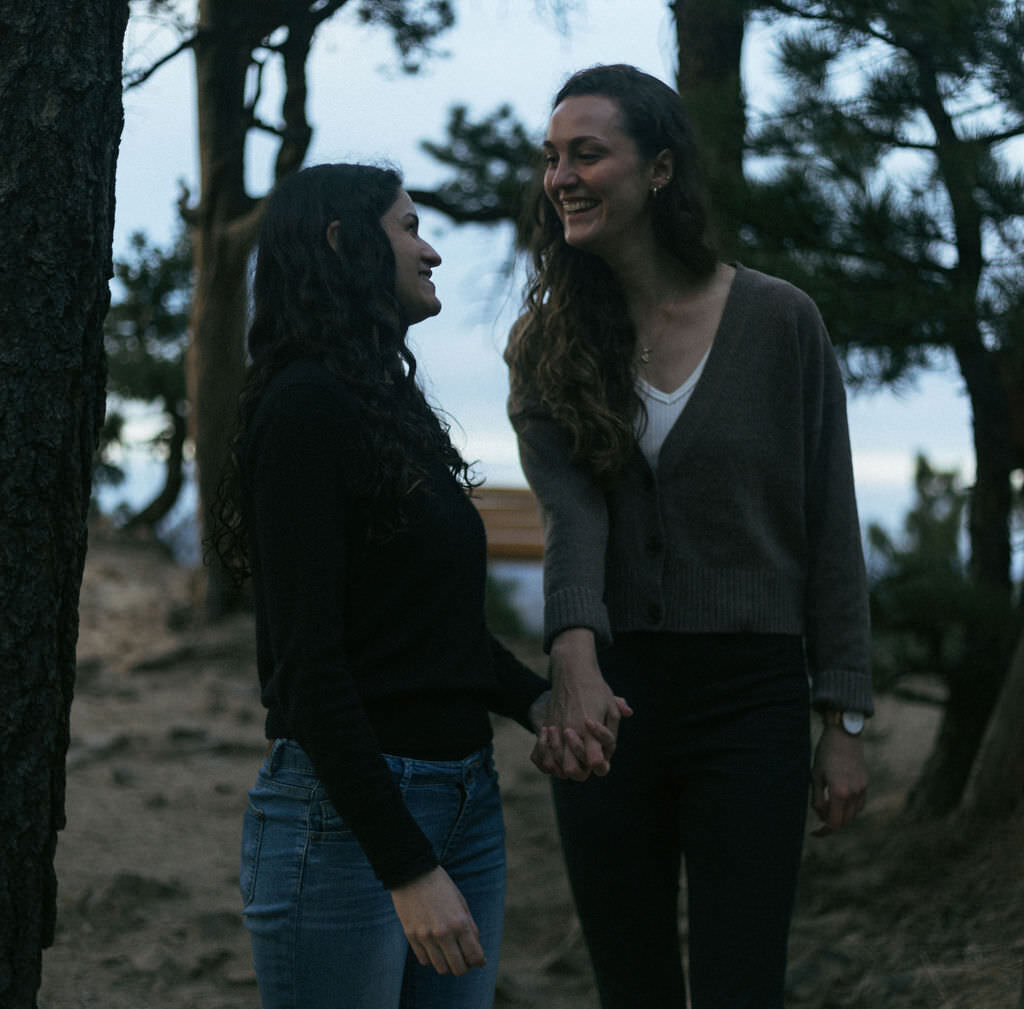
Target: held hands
(581,726)
(438,924)
(840,779)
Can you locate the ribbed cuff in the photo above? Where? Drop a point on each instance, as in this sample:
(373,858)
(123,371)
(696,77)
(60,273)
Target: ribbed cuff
(575,607)
(843,690)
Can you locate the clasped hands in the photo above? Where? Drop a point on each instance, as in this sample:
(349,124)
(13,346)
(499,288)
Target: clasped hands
(577,722)
(577,727)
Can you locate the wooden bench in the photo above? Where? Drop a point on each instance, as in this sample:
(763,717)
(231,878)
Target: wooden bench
(512,523)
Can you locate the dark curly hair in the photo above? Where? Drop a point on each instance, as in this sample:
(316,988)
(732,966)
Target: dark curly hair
(572,350)
(337,305)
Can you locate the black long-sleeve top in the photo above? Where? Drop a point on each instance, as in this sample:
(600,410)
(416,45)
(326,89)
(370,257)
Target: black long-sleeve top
(366,646)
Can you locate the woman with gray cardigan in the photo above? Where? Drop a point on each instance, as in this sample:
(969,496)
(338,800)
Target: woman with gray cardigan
(683,424)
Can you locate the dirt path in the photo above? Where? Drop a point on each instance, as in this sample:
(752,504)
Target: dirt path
(166,736)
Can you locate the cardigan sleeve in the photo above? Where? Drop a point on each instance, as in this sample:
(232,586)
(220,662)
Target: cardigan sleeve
(297,483)
(574,515)
(837,618)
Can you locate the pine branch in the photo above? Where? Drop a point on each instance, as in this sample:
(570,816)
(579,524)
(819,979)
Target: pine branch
(458,210)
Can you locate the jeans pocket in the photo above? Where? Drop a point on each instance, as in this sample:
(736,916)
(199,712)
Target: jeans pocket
(252,842)
(330,823)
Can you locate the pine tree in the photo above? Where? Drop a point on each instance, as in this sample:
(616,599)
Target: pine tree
(886,191)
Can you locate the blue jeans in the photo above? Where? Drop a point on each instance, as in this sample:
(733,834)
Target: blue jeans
(324,931)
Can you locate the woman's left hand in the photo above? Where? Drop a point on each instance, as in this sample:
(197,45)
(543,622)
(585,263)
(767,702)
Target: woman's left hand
(840,779)
(551,742)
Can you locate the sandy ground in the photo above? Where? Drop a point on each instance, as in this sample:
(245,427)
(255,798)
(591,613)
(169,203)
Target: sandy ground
(166,738)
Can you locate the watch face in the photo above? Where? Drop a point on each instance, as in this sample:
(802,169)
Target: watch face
(853,722)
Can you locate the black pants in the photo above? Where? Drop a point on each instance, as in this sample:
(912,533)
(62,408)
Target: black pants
(713,768)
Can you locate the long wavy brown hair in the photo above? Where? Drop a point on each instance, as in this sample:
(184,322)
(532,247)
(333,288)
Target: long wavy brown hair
(337,306)
(571,353)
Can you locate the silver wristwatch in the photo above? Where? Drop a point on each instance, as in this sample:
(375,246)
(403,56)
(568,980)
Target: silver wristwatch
(851,722)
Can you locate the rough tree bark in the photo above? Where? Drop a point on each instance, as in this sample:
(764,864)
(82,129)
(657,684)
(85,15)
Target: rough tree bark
(709,40)
(61,116)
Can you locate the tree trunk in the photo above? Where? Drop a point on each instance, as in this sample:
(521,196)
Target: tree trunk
(972,696)
(224,229)
(61,112)
(222,237)
(1011,374)
(216,371)
(174,478)
(709,39)
(996,785)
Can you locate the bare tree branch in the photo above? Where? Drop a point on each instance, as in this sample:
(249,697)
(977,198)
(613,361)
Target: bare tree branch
(264,127)
(134,78)
(999,138)
(260,65)
(296,132)
(188,213)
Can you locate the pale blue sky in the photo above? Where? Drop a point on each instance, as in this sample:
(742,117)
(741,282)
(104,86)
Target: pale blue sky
(501,51)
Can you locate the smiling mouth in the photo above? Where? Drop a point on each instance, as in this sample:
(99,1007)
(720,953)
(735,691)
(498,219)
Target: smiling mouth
(578,206)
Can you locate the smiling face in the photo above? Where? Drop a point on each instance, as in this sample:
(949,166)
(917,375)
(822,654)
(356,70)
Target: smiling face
(595,177)
(414,260)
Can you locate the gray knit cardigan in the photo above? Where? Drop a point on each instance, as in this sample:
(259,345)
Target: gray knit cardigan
(749,524)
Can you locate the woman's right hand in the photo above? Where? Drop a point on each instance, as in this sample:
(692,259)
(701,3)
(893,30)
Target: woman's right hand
(438,924)
(583,716)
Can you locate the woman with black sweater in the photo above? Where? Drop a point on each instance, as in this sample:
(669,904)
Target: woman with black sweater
(373,847)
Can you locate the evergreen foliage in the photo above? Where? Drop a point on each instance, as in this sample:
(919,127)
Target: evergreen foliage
(413,26)
(887,186)
(493,162)
(920,577)
(145,335)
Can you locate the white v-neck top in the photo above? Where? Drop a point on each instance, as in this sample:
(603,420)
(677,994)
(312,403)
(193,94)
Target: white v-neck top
(663,410)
